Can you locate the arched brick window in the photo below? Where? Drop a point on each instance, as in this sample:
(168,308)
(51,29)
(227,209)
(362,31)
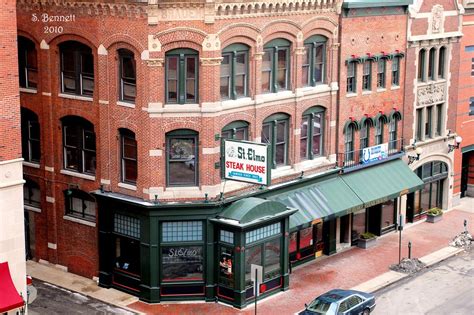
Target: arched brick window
(77,68)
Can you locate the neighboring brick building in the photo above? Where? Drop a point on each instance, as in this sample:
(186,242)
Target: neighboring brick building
(12,236)
(434,32)
(464,158)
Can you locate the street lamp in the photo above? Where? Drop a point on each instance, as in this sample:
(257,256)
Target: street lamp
(413,158)
(457,143)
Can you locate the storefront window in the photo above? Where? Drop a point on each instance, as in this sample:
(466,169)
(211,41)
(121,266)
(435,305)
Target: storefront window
(253,256)
(425,197)
(306,237)
(388,214)
(226,267)
(358,224)
(272,259)
(182,263)
(127,255)
(293,244)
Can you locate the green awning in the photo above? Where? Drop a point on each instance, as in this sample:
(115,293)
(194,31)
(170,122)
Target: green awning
(383,182)
(248,211)
(328,198)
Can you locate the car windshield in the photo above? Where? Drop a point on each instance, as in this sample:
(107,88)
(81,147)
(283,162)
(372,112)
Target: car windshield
(319,306)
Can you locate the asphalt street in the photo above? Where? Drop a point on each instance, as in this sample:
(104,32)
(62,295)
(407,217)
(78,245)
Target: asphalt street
(53,300)
(445,288)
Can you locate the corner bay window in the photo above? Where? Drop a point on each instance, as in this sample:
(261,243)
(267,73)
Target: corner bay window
(312,130)
(127,244)
(276,66)
(80,204)
(27,63)
(182,251)
(30,136)
(128,153)
(314,60)
(275,131)
(181,76)
(128,76)
(181,158)
(77,68)
(234,72)
(79,145)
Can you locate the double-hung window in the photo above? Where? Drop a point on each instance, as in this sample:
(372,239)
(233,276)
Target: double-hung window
(28,63)
(351,76)
(366,124)
(128,76)
(381,65)
(181,158)
(276,66)
(128,153)
(393,131)
(181,76)
(311,138)
(275,131)
(367,75)
(77,69)
(80,204)
(379,126)
(431,64)
(396,71)
(30,136)
(429,122)
(234,72)
(314,60)
(79,145)
(349,141)
(441,62)
(421,65)
(31,194)
(238,130)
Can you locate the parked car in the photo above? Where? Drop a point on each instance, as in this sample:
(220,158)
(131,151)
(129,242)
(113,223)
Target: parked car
(341,302)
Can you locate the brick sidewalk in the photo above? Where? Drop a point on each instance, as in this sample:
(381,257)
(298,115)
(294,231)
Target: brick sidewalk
(344,270)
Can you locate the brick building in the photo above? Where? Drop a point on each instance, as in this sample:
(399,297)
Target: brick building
(125,109)
(12,236)
(464,158)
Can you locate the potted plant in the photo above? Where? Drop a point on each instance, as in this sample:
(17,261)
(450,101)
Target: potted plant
(434,215)
(366,240)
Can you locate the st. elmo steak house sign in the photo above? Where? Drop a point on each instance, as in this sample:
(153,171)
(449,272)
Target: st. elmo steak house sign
(246,161)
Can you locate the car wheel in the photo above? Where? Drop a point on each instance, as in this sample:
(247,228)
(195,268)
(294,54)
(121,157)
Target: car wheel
(366,311)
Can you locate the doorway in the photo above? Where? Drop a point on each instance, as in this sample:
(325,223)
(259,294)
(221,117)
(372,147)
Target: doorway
(464,174)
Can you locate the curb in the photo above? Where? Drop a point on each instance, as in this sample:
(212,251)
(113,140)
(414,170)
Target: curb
(391,277)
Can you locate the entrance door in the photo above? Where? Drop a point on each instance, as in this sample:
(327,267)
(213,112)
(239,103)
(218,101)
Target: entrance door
(29,235)
(344,229)
(410,207)
(329,233)
(464,174)
(374,219)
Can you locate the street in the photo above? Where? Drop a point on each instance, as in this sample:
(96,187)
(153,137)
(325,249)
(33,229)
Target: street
(55,300)
(445,288)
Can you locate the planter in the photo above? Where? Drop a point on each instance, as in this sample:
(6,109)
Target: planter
(366,243)
(433,218)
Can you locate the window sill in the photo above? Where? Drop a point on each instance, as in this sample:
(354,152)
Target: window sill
(282,171)
(80,221)
(32,165)
(381,89)
(181,108)
(367,92)
(275,96)
(244,101)
(31,208)
(319,88)
(125,104)
(28,90)
(351,94)
(75,174)
(395,87)
(127,186)
(76,97)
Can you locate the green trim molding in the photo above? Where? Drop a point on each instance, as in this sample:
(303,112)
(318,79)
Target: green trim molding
(468,148)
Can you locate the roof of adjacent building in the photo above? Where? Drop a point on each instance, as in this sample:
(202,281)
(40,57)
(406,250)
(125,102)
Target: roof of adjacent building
(353,4)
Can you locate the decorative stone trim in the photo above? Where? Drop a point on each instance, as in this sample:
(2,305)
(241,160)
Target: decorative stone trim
(101,51)
(211,61)
(157,62)
(105,181)
(211,43)
(49,169)
(32,165)
(46,93)
(27,90)
(127,186)
(43,44)
(52,246)
(77,220)
(34,209)
(50,199)
(125,104)
(80,175)
(76,97)
(431,94)
(102,102)
(156,152)
(154,44)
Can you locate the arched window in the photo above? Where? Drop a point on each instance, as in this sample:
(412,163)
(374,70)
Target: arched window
(182,158)
(312,133)
(381,72)
(314,60)
(275,131)
(181,76)
(27,63)
(393,130)
(79,145)
(396,71)
(365,125)
(30,136)
(80,204)
(238,130)
(127,75)
(77,68)
(431,64)
(351,86)
(379,129)
(441,62)
(276,66)
(31,194)
(421,65)
(128,156)
(234,72)
(349,132)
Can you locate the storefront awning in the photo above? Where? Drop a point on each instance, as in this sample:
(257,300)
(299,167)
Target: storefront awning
(9,297)
(383,182)
(249,211)
(328,198)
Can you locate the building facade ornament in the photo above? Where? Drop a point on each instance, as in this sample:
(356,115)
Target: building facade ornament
(155,62)
(211,61)
(437,19)
(431,94)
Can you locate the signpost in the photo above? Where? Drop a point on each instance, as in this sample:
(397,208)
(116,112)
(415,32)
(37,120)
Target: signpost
(256,272)
(247,161)
(375,153)
(400,228)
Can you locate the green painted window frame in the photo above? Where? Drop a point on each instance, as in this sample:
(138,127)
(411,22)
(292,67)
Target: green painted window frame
(310,116)
(272,123)
(233,52)
(229,132)
(381,73)
(272,49)
(183,56)
(421,65)
(367,75)
(311,45)
(182,134)
(396,71)
(351,86)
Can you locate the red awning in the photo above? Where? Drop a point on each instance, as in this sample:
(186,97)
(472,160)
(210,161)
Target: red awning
(9,299)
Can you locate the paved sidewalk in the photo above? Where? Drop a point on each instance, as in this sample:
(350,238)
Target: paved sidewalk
(354,268)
